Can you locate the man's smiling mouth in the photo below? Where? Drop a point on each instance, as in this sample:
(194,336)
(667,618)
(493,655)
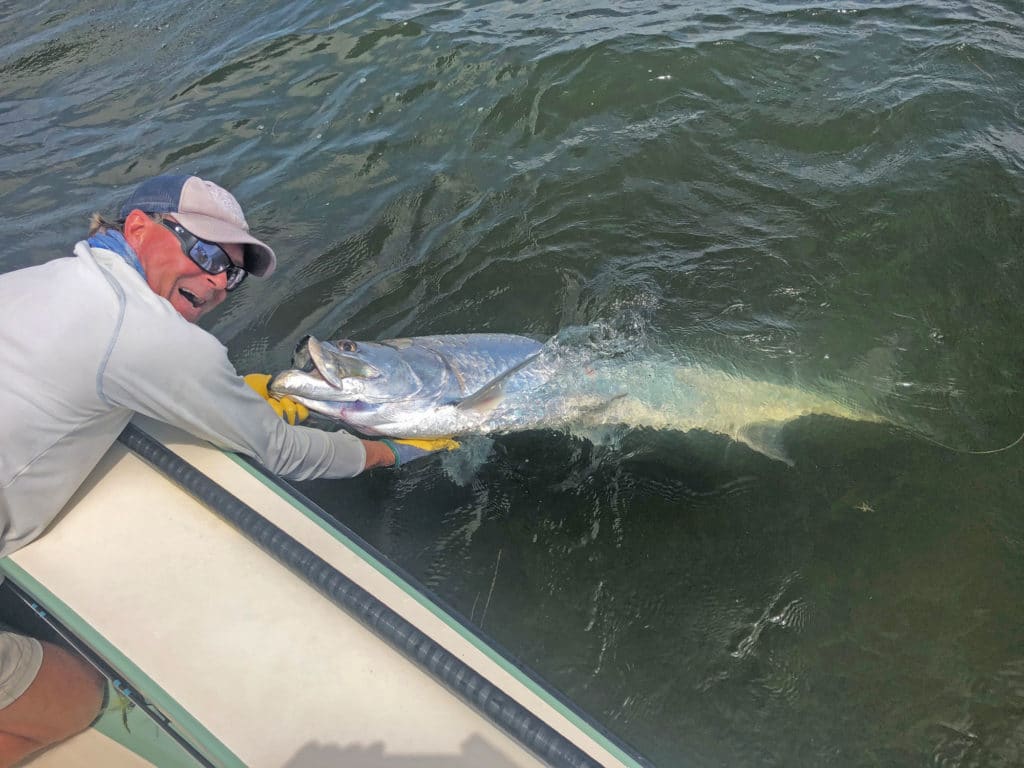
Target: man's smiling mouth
(192,299)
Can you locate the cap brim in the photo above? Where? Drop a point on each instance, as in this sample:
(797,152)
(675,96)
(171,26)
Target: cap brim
(259,257)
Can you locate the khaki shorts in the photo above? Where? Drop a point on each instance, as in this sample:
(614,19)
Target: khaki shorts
(20,658)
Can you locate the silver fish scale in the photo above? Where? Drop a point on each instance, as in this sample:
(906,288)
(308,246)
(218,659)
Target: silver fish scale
(477,359)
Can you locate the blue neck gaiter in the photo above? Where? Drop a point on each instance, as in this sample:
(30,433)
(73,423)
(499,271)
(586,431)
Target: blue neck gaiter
(112,240)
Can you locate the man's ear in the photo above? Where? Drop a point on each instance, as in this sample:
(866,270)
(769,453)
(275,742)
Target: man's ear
(136,226)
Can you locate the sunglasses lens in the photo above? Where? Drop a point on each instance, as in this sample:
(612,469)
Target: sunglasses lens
(210,257)
(235,277)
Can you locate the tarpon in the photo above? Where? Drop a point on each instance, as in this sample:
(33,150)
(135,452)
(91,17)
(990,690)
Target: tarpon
(465,384)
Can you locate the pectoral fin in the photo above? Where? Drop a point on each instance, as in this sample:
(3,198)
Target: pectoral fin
(765,437)
(488,397)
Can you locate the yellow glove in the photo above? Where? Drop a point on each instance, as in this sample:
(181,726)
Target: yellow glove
(433,444)
(407,450)
(285,407)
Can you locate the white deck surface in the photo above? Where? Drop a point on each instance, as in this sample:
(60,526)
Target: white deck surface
(90,749)
(271,668)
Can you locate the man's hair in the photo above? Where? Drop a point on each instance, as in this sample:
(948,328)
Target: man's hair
(99,223)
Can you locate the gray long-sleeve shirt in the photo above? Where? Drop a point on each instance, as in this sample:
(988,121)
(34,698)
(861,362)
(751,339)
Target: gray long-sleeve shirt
(84,344)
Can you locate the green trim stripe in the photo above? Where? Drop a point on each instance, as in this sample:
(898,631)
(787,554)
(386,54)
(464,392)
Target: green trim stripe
(457,626)
(184,723)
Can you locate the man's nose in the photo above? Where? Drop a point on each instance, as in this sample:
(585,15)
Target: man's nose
(219,281)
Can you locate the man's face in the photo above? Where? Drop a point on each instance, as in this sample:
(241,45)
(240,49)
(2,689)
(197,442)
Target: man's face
(169,270)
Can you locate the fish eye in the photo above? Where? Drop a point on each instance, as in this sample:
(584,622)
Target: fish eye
(349,346)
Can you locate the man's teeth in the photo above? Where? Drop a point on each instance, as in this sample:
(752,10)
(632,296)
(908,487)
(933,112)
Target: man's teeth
(192,298)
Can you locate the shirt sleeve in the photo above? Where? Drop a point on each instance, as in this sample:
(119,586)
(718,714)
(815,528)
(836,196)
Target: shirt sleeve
(183,376)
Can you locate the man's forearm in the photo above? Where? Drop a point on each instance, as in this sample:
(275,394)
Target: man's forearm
(378,454)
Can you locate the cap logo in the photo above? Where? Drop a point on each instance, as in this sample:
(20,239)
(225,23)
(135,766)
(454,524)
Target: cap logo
(226,201)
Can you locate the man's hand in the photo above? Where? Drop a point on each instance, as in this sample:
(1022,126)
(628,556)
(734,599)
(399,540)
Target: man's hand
(410,450)
(285,407)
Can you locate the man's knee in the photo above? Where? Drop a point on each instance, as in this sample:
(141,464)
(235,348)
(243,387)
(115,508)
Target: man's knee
(13,749)
(63,699)
(78,686)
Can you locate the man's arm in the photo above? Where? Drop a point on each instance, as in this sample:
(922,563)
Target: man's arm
(181,375)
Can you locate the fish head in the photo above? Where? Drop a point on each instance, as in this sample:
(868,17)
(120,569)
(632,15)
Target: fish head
(341,364)
(330,376)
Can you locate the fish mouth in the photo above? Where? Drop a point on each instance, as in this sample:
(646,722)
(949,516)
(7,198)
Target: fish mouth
(289,383)
(301,359)
(307,386)
(327,359)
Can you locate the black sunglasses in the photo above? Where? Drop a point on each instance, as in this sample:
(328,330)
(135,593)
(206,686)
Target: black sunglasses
(209,257)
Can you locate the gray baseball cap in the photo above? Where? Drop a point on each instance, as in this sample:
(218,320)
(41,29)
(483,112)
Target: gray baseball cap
(206,210)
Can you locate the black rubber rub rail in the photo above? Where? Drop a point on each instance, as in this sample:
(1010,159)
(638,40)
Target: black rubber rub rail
(497,706)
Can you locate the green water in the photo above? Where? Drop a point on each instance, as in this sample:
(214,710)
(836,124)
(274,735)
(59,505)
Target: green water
(819,194)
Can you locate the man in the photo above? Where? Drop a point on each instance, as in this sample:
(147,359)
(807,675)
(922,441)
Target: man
(86,342)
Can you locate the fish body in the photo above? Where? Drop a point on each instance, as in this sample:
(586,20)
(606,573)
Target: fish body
(463,384)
